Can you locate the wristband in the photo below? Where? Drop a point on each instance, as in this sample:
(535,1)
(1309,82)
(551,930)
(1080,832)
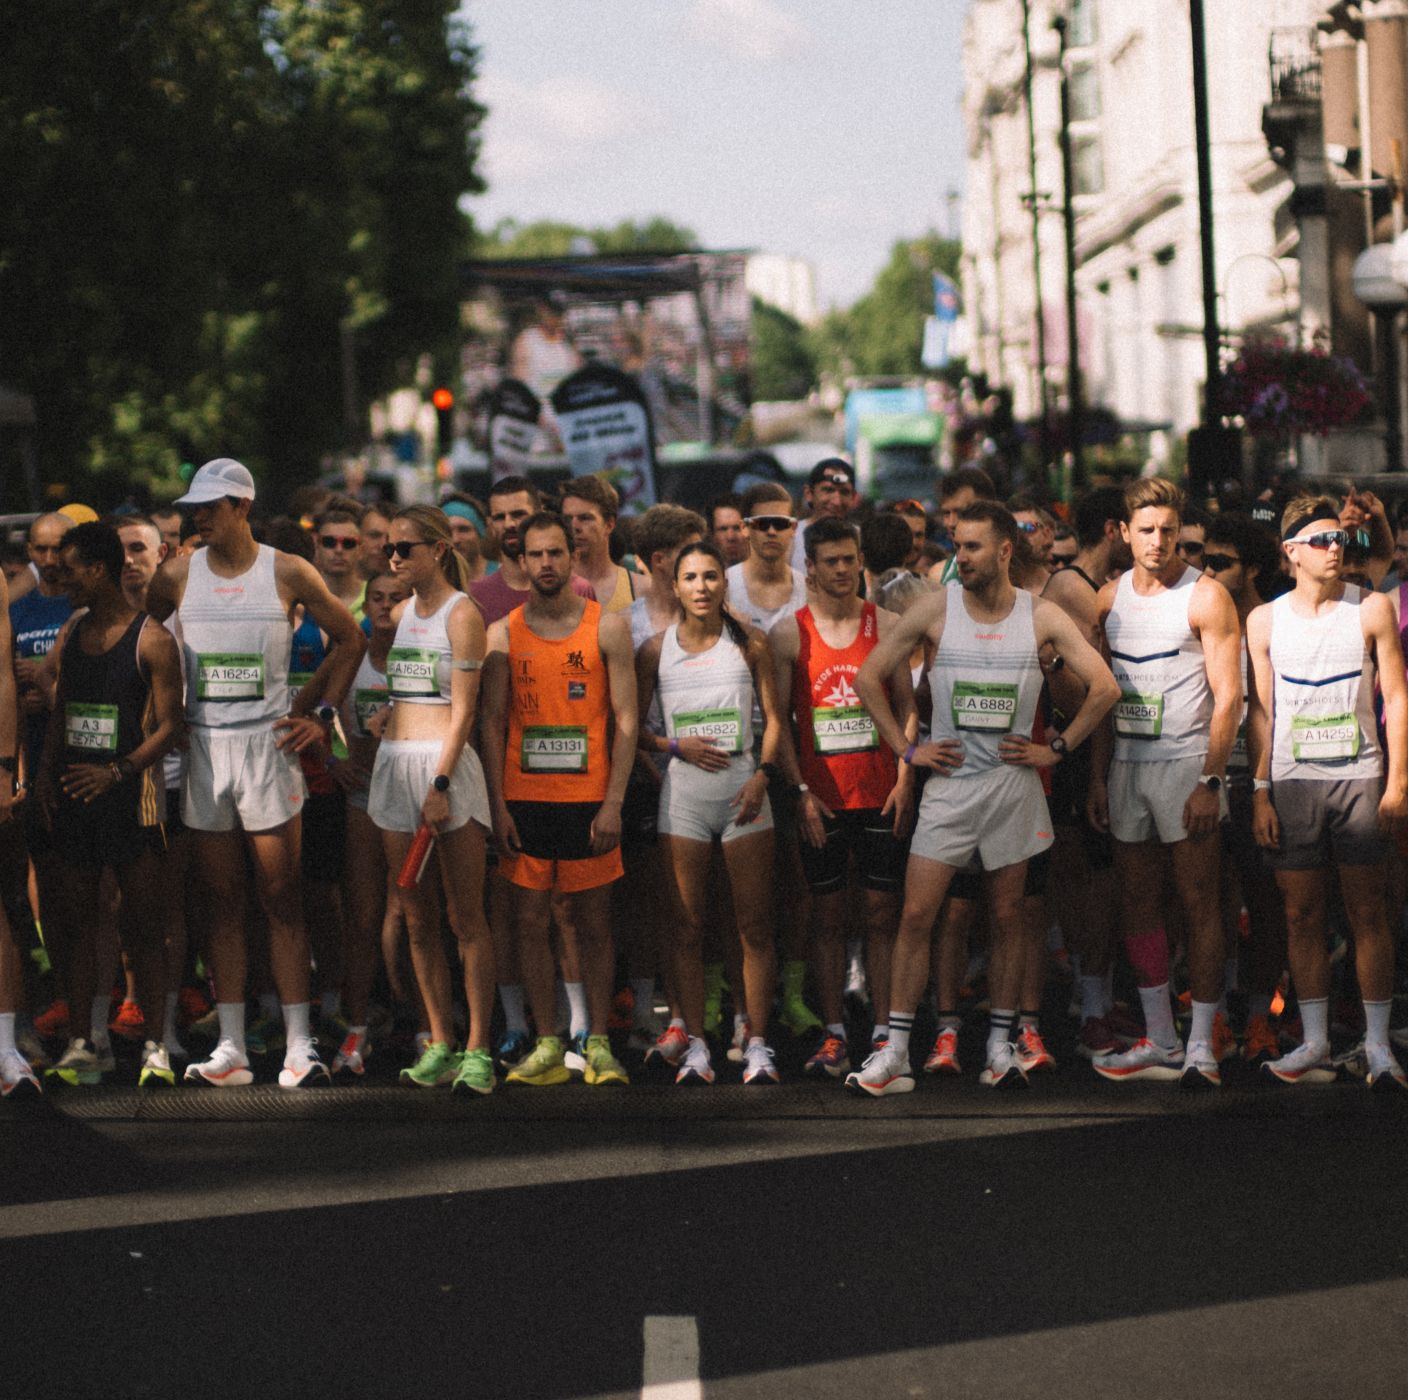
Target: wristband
(674,748)
(908,755)
(1261,784)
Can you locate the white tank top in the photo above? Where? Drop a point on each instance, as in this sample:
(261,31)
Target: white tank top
(1322,715)
(365,696)
(985,681)
(747,611)
(1165,705)
(418,664)
(236,639)
(708,694)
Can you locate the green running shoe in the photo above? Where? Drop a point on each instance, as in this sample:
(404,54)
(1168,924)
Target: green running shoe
(156,1068)
(476,1074)
(542,1066)
(438,1064)
(602,1066)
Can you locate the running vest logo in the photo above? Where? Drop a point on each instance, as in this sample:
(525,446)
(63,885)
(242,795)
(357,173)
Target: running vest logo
(575,662)
(237,589)
(576,690)
(988,636)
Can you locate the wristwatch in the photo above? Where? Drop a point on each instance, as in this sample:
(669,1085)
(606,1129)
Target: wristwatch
(1057,744)
(800,790)
(440,783)
(325,714)
(1211,781)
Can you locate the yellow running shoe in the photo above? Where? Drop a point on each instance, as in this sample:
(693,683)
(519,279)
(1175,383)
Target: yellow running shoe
(602,1066)
(542,1066)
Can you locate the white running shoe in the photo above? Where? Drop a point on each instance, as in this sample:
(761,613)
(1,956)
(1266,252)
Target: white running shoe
(1143,1060)
(1003,1070)
(353,1056)
(885,1071)
(738,1048)
(302,1067)
(758,1064)
(16,1076)
(79,1064)
(696,1067)
(1200,1066)
(226,1068)
(1384,1070)
(1306,1064)
(156,1067)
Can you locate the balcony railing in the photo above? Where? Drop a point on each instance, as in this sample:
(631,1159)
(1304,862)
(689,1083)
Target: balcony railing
(1295,66)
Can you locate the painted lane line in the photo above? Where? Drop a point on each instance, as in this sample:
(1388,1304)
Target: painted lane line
(671,1370)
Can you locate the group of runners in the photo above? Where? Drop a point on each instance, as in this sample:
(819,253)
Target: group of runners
(783,756)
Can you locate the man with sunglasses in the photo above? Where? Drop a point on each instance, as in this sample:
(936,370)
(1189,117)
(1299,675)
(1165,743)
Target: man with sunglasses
(830,491)
(337,534)
(1038,525)
(1325,791)
(1192,535)
(242,796)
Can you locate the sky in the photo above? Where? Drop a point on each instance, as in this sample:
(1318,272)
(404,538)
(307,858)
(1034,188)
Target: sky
(822,129)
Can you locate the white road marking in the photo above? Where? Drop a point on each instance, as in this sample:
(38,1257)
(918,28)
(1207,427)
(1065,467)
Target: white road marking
(671,1370)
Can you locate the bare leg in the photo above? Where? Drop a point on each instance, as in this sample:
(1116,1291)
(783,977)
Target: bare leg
(689,865)
(1365,890)
(750,872)
(591,919)
(144,936)
(926,883)
(278,880)
(882,914)
(1195,870)
(366,897)
(460,855)
(421,906)
(1304,894)
(533,911)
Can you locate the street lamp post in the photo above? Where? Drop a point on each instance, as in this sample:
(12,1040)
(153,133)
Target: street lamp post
(1033,201)
(1075,388)
(1211,338)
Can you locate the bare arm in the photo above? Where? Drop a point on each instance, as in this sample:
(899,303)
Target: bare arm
(614,639)
(1102,743)
(9,705)
(647,673)
(493,734)
(168,584)
(1382,636)
(893,650)
(1214,617)
(346,644)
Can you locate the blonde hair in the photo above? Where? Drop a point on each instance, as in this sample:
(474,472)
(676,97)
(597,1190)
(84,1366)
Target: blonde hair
(1152,491)
(1303,509)
(434,526)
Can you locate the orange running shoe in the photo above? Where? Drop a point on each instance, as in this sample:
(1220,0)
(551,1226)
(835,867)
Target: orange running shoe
(192,1004)
(129,1022)
(1259,1044)
(1224,1043)
(51,1024)
(943,1058)
(623,1010)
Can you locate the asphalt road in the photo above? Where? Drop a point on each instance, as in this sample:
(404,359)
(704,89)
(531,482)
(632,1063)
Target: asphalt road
(1079,1240)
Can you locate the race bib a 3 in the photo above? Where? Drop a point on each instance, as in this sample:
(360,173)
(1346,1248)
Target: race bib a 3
(844,729)
(365,703)
(554,748)
(229,676)
(986,705)
(1324,738)
(724,727)
(413,672)
(1139,716)
(92,727)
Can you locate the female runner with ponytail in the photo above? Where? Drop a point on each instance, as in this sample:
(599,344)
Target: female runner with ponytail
(426,772)
(707,668)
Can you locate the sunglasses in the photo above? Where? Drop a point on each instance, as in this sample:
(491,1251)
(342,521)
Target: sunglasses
(402,548)
(770,522)
(1063,561)
(1189,547)
(1028,527)
(338,542)
(1324,539)
(1218,562)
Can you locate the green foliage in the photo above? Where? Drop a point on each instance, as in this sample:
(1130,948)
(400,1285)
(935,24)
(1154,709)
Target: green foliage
(884,331)
(550,239)
(783,365)
(204,200)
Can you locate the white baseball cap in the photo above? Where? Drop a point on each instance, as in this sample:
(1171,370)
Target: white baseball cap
(222,477)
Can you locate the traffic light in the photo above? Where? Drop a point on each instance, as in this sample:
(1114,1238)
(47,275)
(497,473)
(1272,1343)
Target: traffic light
(444,403)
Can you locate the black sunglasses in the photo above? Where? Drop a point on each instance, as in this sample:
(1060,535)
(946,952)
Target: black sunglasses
(770,522)
(1218,562)
(1189,547)
(402,548)
(338,542)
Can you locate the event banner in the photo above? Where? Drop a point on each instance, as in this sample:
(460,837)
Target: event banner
(514,411)
(605,424)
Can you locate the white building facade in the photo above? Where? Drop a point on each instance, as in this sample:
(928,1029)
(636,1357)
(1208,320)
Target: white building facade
(1138,274)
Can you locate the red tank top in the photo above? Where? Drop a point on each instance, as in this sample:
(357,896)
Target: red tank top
(840,752)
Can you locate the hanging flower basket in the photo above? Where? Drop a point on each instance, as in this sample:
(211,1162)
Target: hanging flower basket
(1279,391)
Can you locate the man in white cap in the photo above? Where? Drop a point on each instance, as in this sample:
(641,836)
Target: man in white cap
(234,600)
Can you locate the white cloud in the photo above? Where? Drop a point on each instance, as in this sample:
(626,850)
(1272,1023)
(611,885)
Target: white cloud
(759,30)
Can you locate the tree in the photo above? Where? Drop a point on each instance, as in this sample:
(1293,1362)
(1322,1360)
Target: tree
(548,238)
(783,365)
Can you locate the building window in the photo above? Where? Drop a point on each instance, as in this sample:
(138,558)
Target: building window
(1082,24)
(1085,92)
(1087,165)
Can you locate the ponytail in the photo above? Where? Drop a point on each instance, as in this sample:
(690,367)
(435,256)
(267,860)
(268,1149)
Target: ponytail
(434,525)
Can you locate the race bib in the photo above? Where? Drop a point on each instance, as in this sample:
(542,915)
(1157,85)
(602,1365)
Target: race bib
(365,703)
(229,676)
(844,729)
(413,671)
(1238,757)
(92,727)
(1139,716)
(986,705)
(725,727)
(1324,738)
(558,748)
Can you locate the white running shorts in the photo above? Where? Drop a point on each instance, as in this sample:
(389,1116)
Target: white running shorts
(1001,817)
(1147,799)
(239,778)
(401,778)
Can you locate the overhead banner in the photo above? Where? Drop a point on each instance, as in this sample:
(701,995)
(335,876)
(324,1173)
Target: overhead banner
(514,411)
(605,424)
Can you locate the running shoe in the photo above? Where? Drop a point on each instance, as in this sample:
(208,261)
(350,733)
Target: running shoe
(603,1067)
(884,1072)
(1259,1042)
(943,1058)
(1143,1060)
(1307,1064)
(1400,1036)
(759,1066)
(16,1077)
(191,1005)
(32,1048)
(1127,1028)
(265,1036)
(1096,1039)
(52,1022)
(129,1022)
(1032,1054)
(476,1074)
(738,1046)
(670,1047)
(696,1067)
(1224,1043)
(438,1064)
(79,1064)
(352,1058)
(797,1016)
(156,1070)
(543,1066)
(1385,1073)
(225,1069)
(575,1057)
(512,1048)
(302,1067)
(832,1059)
(1003,1069)
(1201,1069)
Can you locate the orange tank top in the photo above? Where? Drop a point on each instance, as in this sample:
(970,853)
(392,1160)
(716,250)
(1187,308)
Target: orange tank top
(559,706)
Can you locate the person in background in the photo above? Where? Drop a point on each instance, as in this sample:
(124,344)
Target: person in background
(469,530)
(914,515)
(371,562)
(830,490)
(590,506)
(1064,548)
(958,490)
(1037,524)
(726,527)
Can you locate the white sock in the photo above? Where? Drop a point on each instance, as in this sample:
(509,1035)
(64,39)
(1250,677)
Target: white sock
(999,1029)
(1315,1021)
(879,1031)
(7,1033)
(511,995)
(1158,1015)
(332,1004)
(269,1005)
(577,1002)
(837,1029)
(1376,1014)
(168,1027)
(677,1023)
(231,1014)
(900,1027)
(296,1022)
(740,1023)
(102,1009)
(644,989)
(1092,998)
(1203,1012)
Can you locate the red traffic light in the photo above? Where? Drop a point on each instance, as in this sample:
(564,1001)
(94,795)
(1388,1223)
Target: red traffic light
(443,399)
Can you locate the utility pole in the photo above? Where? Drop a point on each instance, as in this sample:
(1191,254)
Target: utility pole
(1033,202)
(1075,387)
(1212,340)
